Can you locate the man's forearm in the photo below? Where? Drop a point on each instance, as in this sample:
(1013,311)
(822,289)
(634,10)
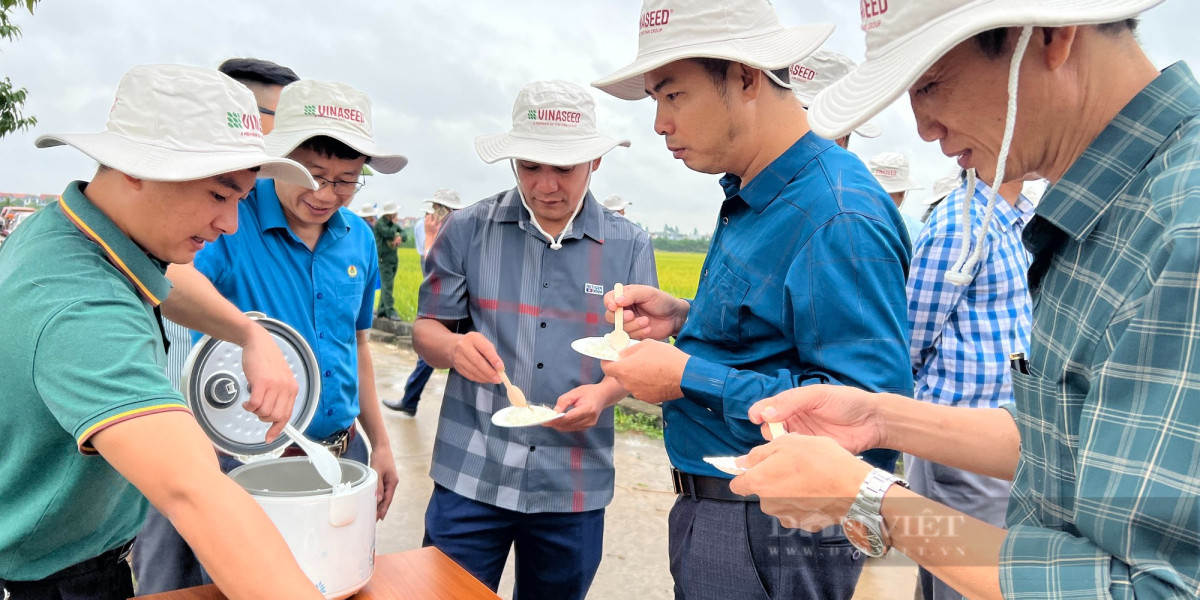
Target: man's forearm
(434,342)
(980,440)
(196,304)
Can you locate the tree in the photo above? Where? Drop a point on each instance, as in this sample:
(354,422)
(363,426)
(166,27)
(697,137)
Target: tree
(12,98)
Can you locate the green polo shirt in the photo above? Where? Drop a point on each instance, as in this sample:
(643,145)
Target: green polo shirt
(80,351)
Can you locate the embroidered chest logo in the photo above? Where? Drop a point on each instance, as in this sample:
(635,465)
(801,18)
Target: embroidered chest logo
(352,271)
(594,289)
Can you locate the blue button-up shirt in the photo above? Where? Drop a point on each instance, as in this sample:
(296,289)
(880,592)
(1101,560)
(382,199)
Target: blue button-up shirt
(962,335)
(803,284)
(326,293)
(1106,497)
(491,270)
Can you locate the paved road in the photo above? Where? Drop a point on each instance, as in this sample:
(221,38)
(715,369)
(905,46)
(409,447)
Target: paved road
(635,538)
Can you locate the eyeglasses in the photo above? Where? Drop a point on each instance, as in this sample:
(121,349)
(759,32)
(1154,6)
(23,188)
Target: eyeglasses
(266,111)
(341,188)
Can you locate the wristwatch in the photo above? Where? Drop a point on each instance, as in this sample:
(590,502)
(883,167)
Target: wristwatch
(863,524)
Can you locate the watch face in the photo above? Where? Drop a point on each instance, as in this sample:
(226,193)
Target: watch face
(861,536)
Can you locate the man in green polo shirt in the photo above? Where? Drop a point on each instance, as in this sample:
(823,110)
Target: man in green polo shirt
(90,426)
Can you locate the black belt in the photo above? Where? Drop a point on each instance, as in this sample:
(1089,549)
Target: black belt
(95,563)
(338,443)
(704,487)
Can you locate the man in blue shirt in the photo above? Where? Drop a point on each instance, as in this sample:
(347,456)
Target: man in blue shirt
(803,284)
(301,257)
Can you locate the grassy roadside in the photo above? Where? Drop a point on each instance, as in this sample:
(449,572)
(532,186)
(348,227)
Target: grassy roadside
(628,420)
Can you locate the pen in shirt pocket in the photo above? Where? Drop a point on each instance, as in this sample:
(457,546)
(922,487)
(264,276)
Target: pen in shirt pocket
(1017,362)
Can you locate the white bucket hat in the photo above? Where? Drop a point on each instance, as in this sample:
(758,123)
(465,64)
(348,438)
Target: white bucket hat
(891,171)
(942,188)
(816,72)
(615,202)
(181,123)
(367,210)
(448,198)
(744,31)
(308,109)
(905,38)
(554,123)
(389,208)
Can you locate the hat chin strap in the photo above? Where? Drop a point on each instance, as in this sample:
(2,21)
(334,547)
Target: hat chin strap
(555,244)
(960,273)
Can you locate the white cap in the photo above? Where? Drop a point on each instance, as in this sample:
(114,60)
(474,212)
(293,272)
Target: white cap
(891,170)
(389,208)
(744,31)
(554,123)
(180,123)
(308,109)
(615,202)
(905,38)
(816,72)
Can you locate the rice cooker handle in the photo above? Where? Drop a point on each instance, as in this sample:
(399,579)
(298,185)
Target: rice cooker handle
(222,389)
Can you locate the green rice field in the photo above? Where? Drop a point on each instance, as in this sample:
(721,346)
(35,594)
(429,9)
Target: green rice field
(678,273)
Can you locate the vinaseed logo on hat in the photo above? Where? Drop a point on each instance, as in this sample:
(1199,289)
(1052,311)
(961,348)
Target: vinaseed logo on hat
(555,117)
(885,172)
(334,112)
(250,124)
(800,72)
(654,20)
(872,13)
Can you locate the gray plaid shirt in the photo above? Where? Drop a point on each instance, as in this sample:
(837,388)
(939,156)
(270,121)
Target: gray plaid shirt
(1106,497)
(493,271)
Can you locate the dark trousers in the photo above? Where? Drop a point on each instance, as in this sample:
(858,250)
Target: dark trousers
(387,279)
(163,560)
(416,385)
(105,577)
(733,551)
(557,554)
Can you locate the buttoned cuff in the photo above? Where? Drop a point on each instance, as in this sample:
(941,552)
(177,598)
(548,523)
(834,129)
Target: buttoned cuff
(703,382)
(1042,563)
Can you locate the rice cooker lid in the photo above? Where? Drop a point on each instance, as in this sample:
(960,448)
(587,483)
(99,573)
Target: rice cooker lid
(215,387)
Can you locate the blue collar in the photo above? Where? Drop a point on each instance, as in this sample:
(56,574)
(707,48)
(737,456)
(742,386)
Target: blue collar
(270,212)
(587,222)
(769,184)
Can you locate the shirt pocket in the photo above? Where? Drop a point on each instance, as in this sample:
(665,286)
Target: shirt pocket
(349,299)
(720,314)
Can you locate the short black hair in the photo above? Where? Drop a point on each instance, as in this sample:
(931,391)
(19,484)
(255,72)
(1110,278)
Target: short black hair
(257,70)
(994,42)
(718,68)
(330,148)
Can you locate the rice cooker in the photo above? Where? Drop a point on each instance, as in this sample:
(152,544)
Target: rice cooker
(331,534)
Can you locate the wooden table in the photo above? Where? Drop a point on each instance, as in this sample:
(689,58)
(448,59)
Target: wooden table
(423,574)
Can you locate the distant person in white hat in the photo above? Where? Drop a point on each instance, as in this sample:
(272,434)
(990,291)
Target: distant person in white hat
(942,188)
(369,213)
(513,280)
(85,361)
(814,73)
(437,210)
(891,171)
(388,236)
(616,204)
(803,284)
(1102,439)
(303,258)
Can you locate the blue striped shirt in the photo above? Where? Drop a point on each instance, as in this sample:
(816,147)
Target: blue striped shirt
(1106,496)
(803,284)
(492,271)
(962,334)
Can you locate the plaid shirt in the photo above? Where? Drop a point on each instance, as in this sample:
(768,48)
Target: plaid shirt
(962,334)
(1106,496)
(492,270)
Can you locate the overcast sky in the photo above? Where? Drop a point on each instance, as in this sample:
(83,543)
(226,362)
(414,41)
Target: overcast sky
(439,72)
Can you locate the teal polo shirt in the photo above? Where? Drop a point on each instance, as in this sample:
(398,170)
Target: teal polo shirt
(326,293)
(81,351)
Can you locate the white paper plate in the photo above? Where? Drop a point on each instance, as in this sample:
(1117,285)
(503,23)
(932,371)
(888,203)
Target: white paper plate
(725,464)
(535,414)
(598,347)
